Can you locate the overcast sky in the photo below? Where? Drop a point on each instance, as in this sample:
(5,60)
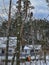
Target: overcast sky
(41,9)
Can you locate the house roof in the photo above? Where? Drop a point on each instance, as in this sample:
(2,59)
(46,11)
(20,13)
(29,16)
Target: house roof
(25,48)
(31,47)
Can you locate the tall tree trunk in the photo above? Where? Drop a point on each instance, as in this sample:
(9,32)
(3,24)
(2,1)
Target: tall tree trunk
(8,30)
(18,34)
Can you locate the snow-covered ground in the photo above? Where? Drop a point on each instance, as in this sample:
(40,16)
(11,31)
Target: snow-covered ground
(29,63)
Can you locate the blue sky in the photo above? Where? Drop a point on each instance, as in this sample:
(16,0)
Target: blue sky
(41,9)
